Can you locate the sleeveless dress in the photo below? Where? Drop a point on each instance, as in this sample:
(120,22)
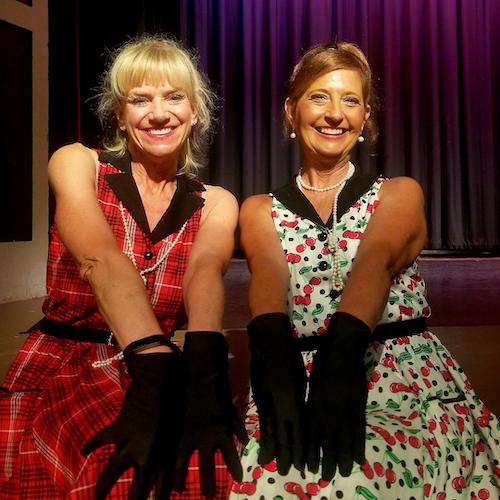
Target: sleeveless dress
(53,400)
(428,435)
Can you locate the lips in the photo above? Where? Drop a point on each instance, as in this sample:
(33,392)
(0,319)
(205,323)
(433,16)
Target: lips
(332,132)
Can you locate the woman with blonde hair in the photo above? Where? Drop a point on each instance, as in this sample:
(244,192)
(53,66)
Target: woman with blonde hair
(139,246)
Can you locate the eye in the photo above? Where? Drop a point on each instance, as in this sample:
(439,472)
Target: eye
(136,100)
(176,97)
(318,97)
(352,101)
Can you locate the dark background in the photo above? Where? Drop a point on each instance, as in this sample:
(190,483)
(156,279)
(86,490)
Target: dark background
(436,68)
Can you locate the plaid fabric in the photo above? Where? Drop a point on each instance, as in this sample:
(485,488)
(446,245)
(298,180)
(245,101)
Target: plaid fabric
(70,299)
(52,401)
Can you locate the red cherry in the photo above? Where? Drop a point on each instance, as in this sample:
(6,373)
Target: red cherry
(271,466)
(425,371)
(379,469)
(427,489)
(441,495)
(315,280)
(483,494)
(414,442)
(257,473)
(310,242)
(400,436)
(300,248)
(390,475)
(312,488)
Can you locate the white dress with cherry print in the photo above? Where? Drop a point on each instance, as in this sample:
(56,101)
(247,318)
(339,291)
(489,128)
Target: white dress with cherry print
(428,434)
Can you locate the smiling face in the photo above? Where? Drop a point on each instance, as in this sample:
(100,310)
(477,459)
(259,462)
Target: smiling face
(329,117)
(157,121)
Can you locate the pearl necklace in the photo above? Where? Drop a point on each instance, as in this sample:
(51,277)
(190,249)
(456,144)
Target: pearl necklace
(129,252)
(337,284)
(304,185)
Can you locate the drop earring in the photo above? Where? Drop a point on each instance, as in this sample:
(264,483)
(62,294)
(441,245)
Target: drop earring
(293,135)
(361,139)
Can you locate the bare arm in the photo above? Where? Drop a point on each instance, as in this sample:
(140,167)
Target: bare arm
(119,291)
(265,257)
(393,239)
(211,253)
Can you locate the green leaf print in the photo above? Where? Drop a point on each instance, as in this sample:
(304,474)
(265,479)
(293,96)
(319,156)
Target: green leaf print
(305,269)
(278,497)
(393,457)
(408,297)
(278,205)
(393,299)
(455,442)
(296,315)
(408,478)
(392,404)
(318,310)
(425,406)
(493,481)
(430,470)
(404,356)
(281,234)
(477,479)
(469,442)
(372,406)
(365,493)
(413,431)
(301,231)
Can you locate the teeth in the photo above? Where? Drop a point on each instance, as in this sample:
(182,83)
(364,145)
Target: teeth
(331,131)
(159,131)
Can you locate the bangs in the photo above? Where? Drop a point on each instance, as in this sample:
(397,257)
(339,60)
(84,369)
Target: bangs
(155,66)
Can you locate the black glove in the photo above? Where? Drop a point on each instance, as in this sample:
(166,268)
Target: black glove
(211,418)
(337,397)
(145,431)
(278,379)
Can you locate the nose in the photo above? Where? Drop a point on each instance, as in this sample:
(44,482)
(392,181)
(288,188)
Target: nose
(159,109)
(333,111)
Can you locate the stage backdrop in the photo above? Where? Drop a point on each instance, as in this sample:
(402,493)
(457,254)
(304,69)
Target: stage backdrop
(437,70)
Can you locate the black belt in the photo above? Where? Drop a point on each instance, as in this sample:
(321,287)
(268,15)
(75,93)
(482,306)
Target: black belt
(70,332)
(381,333)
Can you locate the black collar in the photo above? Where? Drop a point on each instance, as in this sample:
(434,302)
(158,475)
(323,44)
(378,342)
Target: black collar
(295,200)
(183,205)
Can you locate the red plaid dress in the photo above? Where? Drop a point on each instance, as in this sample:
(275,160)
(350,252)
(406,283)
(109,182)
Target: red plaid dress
(52,400)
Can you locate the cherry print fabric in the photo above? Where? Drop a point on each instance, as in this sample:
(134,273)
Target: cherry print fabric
(428,435)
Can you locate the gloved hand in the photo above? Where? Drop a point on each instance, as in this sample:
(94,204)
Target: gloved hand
(145,431)
(211,418)
(278,379)
(337,397)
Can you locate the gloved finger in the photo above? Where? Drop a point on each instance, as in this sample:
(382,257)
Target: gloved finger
(344,439)
(330,456)
(266,442)
(104,436)
(359,444)
(164,482)
(207,472)
(232,459)
(313,446)
(115,467)
(181,467)
(297,446)
(283,451)
(141,484)
(240,430)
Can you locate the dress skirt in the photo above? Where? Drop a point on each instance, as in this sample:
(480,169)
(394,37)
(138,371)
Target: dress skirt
(51,403)
(428,435)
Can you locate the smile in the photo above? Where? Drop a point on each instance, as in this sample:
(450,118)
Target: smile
(161,131)
(331,131)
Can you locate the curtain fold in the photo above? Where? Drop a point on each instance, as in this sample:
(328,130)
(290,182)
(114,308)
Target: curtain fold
(436,68)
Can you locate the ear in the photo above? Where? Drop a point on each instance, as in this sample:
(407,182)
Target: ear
(289,111)
(194,118)
(120,120)
(368,110)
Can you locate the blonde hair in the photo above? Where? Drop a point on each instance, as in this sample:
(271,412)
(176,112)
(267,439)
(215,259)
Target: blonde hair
(323,58)
(154,59)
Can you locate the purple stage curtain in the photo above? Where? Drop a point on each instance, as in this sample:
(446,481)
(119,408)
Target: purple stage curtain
(437,71)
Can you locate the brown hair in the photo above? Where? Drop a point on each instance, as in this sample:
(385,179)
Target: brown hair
(323,58)
(154,59)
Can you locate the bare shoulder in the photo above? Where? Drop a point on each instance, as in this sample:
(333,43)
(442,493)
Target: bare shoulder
(217,196)
(259,203)
(74,161)
(401,187)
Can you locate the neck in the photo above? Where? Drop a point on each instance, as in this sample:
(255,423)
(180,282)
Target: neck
(324,178)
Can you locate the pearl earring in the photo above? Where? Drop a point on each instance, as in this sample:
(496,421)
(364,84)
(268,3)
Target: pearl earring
(361,139)
(293,135)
